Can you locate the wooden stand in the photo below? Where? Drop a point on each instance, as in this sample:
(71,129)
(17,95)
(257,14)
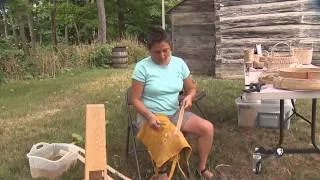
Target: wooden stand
(96,153)
(96,149)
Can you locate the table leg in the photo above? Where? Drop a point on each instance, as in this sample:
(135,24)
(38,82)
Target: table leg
(313,124)
(281,122)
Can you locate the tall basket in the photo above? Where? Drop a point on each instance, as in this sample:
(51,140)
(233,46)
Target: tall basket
(303,55)
(278,60)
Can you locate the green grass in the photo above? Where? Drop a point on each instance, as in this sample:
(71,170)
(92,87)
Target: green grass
(51,110)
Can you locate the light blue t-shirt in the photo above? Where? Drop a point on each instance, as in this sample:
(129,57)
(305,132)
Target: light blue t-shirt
(162,83)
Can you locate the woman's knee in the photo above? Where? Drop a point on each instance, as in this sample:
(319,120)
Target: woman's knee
(209,127)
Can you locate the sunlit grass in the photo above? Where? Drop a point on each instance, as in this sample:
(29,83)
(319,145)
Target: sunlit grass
(51,110)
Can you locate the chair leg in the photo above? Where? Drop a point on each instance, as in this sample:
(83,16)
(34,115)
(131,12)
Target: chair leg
(135,152)
(128,141)
(202,113)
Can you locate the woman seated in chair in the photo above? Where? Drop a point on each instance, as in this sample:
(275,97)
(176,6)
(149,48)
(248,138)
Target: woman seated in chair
(156,83)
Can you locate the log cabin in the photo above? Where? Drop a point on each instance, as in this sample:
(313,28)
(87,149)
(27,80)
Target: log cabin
(210,35)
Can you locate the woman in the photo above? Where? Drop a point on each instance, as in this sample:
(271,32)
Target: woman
(156,83)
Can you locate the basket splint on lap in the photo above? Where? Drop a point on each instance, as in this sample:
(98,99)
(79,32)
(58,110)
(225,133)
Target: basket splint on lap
(166,143)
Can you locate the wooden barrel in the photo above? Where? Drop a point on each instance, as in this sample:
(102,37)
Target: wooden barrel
(119,57)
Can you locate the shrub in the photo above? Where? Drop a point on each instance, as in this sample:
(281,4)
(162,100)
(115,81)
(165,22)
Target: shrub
(46,62)
(11,59)
(100,56)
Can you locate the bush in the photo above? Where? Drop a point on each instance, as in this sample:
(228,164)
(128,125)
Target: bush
(100,56)
(11,59)
(2,77)
(46,62)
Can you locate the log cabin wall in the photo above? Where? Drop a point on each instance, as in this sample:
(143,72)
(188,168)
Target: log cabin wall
(193,34)
(244,23)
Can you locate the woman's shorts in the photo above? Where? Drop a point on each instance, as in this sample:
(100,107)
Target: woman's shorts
(173,118)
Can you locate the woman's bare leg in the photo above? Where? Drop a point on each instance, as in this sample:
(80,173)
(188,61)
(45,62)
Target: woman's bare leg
(205,130)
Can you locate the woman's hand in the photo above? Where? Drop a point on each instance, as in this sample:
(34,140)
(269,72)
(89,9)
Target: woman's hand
(187,101)
(154,122)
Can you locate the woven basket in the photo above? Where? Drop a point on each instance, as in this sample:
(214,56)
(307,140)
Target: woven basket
(278,60)
(303,55)
(264,56)
(248,55)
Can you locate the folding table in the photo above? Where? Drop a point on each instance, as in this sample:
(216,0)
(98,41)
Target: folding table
(269,93)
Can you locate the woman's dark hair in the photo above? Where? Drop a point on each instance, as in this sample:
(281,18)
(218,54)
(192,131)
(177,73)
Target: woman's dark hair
(157,35)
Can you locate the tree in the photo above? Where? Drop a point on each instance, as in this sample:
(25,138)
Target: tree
(18,9)
(102,30)
(121,20)
(53,24)
(5,24)
(21,22)
(31,31)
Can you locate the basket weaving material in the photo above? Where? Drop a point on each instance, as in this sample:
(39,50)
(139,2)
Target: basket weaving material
(300,73)
(278,60)
(303,55)
(296,84)
(166,143)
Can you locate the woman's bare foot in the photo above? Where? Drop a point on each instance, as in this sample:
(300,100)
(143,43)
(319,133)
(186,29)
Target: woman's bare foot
(207,175)
(163,176)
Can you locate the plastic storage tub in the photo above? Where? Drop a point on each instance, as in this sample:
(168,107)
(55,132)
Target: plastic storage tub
(264,114)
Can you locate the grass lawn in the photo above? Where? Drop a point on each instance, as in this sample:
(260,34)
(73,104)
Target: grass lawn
(51,110)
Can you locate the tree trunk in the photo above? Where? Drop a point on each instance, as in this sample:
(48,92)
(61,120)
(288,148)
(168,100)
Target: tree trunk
(22,34)
(53,24)
(14,33)
(78,33)
(31,31)
(121,25)
(5,22)
(66,36)
(102,31)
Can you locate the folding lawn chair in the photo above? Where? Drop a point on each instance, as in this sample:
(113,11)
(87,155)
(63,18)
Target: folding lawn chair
(132,128)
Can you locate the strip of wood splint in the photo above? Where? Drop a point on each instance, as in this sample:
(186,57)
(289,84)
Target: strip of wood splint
(96,156)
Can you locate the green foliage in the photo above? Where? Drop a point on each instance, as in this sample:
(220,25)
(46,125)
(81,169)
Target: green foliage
(46,62)
(2,77)
(100,56)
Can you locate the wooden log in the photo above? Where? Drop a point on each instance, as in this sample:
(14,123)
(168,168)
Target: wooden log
(188,30)
(229,71)
(267,8)
(227,3)
(194,6)
(279,31)
(232,56)
(260,20)
(193,18)
(96,156)
(307,18)
(195,54)
(311,19)
(200,67)
(266,43)
(193,41)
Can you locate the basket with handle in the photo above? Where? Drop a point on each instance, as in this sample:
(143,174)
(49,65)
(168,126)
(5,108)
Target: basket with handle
(278,60)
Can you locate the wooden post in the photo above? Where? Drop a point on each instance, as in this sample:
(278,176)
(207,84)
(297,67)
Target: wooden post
(96,154)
